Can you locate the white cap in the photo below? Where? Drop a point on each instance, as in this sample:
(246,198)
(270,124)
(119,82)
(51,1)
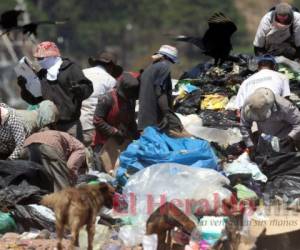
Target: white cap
(169,51)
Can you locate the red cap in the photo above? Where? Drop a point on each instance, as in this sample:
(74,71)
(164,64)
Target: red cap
(46,49)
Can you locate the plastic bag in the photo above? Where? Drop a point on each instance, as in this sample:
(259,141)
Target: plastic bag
(221,136)
(214,101)
(194,125)
(102,236)
(7,223)
(242,165)
(157,184)
(150,242)
(132,235)
(29,217)
(17,171)
(211,228)
(231,105)
(155,147)
(295,66)
(22,194)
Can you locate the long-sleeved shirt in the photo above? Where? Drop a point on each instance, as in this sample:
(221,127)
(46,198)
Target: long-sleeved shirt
(12,133)
(156,76)
(114,113)
(60,91)
(284,121)
(68,147)
(267,34)
(102,83)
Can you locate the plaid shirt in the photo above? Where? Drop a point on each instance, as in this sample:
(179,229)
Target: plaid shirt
(12,135)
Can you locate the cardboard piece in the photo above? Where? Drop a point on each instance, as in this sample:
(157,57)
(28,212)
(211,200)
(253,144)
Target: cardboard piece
(25,68)
(276,221)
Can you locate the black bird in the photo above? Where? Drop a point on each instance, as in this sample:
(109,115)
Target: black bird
(216,41)
(9,19)
(31,28)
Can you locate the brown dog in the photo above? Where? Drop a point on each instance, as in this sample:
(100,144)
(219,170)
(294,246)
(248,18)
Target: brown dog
(76,207)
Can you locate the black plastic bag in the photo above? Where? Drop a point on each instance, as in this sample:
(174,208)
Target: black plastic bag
(20,194)
(283,172)
(190,104)
(14,172)
(28,218)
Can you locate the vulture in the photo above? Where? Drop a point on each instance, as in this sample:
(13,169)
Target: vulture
(216,41)
(31,28)
(9,19)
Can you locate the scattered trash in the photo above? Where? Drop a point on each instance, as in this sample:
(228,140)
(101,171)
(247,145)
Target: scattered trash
(242,165)
(7,223)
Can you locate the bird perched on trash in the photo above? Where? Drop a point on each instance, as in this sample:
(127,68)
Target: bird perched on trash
(216,41)
(9,19)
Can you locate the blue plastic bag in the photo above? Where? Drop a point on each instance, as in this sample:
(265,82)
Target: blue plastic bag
(155,147)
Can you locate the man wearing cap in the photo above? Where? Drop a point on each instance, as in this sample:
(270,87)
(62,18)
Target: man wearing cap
(63,83)
(274,116)
(115,113)
(278,33)
(265,77)
(101,74)
(155,97)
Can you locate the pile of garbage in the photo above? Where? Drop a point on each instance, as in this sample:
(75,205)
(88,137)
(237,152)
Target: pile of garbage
(173,192)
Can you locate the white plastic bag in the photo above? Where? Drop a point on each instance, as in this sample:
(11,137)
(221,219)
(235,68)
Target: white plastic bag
(295,66)
(150,242)
(193,124)
(243,165)
(186,187)
(132,235)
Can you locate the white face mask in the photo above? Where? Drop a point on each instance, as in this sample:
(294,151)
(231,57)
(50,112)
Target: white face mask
(47,62)
(52,65)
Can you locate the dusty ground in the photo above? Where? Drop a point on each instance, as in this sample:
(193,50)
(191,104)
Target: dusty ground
(12,241)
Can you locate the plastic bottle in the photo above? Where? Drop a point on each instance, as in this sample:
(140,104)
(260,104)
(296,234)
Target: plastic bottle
(274,140)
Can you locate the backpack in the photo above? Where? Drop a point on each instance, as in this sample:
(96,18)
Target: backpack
(295,9)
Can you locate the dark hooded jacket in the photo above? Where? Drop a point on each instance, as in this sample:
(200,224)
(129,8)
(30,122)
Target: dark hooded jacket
(59,91)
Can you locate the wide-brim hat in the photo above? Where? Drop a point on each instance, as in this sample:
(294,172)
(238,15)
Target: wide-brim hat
(258,106)
(106,58)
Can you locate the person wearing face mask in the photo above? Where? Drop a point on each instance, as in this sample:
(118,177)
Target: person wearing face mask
(278,33)
(63,83)
(274,115)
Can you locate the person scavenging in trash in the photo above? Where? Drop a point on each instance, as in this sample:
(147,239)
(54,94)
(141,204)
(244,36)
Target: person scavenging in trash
(265,77)
(274,116)
(278,33)
(155,97)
